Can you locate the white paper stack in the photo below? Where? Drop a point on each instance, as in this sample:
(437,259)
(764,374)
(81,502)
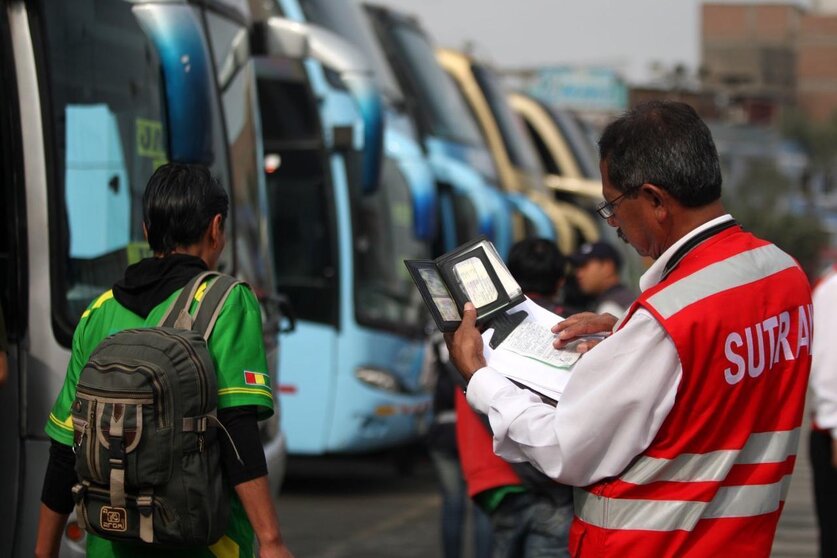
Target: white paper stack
(527,355)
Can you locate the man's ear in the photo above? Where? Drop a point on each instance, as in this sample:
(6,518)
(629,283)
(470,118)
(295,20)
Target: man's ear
(216,229)
(658,198)
(144,232)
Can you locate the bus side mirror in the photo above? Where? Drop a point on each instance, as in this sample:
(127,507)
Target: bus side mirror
(292,39)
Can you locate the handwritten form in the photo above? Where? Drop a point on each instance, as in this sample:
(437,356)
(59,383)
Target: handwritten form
(527,355)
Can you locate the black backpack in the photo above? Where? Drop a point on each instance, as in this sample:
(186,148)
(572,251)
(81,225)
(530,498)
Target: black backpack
(144,417)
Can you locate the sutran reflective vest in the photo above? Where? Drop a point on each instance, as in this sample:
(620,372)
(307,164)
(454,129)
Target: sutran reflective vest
(714,479)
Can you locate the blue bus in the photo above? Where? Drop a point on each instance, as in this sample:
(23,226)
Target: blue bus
(470,198)
(352,371)
(96,95)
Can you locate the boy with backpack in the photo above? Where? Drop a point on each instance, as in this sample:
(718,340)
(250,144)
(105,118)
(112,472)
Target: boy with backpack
(158,415)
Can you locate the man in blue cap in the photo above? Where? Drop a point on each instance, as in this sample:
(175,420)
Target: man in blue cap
(597,266)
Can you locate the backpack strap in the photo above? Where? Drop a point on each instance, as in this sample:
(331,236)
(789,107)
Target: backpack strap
(211,303)
(177,314)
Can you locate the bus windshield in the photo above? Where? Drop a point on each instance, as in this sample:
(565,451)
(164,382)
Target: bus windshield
(107,114)
(385,295)
(348,20)
(441,105)
(517,143)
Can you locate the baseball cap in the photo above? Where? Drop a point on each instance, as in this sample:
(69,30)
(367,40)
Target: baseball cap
(596,251)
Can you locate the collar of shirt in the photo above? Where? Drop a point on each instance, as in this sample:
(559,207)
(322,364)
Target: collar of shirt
(654,273)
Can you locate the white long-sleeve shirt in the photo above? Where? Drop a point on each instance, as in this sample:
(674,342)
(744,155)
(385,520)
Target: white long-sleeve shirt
(613,406)
(824,362)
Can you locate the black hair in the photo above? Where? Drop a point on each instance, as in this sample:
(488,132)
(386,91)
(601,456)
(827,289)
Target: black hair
(179,204)
(537,265)
(664,143)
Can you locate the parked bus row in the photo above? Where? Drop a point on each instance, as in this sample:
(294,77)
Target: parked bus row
(347,143)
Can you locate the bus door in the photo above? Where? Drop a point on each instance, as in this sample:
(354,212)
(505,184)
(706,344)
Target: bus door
(305,252)
(94,133)
(12,294)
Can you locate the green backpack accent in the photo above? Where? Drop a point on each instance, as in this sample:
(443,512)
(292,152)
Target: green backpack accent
(147,454)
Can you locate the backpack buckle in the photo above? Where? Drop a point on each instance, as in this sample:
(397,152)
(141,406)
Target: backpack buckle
(117,449)
(78,493)
(144,505)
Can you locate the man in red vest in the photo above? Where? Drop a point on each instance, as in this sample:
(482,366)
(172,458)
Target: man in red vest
(680,429)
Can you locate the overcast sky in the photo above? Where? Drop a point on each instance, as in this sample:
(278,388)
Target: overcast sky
(630,35)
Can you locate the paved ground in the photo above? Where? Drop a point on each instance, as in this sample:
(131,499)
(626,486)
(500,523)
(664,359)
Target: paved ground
(349,508)
(797,533)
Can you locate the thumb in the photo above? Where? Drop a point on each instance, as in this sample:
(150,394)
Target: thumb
(469,315)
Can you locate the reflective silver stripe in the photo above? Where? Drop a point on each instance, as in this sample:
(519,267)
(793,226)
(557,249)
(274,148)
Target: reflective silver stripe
(769,447)
(689,467)
(671,515)
(747,501)
(645,515)
(761,447)
(732,272)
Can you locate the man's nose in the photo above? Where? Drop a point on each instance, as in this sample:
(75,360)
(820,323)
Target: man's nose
(612,221)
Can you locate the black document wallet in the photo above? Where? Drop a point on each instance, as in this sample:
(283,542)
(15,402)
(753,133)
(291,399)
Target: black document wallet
(473,272)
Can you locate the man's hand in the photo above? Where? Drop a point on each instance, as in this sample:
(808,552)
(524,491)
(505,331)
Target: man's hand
(465,344)
(579,326)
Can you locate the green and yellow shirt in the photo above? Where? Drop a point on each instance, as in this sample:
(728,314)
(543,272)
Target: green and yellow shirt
(237,350)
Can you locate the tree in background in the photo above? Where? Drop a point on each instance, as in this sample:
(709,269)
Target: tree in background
(760,204)
(819,140)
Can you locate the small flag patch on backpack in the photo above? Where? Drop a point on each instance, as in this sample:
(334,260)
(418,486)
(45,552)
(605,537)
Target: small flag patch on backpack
(255,378)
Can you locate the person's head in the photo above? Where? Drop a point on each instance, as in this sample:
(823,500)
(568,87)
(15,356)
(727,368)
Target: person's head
(661,175)
(597,267)
(537,265)
(184,209)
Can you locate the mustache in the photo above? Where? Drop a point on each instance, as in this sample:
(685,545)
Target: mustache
(621,236)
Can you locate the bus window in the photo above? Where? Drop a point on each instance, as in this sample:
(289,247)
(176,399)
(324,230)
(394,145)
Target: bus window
(443,108)
(548,162)
(511,127)
(107,116)
(11,301)
(235,79)
(300,200)
(385,296)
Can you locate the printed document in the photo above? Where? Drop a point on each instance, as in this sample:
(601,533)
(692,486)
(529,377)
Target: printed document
(527,355)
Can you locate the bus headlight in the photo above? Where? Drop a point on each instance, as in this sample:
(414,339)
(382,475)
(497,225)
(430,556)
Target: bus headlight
(380,378)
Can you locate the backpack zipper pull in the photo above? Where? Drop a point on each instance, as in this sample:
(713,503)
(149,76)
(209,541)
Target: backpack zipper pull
(77,447)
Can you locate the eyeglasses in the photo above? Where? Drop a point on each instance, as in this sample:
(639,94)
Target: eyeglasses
(605,208)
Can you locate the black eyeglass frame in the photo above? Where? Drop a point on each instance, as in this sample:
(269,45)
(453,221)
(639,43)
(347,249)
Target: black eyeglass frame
(606,208)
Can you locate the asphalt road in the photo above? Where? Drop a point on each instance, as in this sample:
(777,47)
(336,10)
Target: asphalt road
(365,509)
(349,508)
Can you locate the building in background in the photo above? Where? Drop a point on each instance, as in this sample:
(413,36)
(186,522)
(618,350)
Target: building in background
(761,58)
(816,72)
(749,58)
